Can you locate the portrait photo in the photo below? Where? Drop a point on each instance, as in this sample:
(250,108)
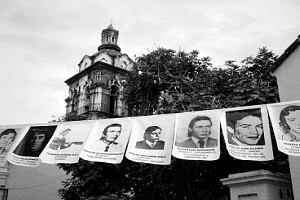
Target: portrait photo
(34,141)
(151,139)
(285,119)
(7,137)
(108,136)
(245,127)
(60,141)
(197,131)
(289,123)
(106,140)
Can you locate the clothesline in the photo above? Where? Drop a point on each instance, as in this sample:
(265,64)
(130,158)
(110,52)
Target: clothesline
(154,139)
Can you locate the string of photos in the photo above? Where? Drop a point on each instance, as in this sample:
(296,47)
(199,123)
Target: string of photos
(154,139)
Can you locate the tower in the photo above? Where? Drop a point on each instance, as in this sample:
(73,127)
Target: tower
(96,91)
(109,39)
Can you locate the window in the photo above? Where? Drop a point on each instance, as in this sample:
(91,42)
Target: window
(103,60)
(97,75)
(124,65)
(3,193)
(113,99)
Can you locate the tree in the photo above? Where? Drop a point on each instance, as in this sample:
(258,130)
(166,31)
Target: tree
(166,81)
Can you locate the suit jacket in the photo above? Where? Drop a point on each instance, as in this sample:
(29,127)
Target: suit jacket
(143,145)
(190,144)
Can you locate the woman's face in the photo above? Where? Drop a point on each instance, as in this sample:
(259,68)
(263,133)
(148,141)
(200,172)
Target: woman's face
(293,121)
(6,140)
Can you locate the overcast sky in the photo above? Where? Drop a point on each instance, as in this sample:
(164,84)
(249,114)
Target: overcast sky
(42,41)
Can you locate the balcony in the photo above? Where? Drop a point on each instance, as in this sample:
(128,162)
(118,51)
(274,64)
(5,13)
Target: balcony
(100,107)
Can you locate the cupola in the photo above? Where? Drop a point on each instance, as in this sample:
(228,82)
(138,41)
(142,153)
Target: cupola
(109,39)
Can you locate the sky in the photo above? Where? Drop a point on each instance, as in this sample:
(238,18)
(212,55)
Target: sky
(42,41)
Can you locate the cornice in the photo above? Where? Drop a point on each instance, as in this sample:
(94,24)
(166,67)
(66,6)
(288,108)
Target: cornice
(97,65)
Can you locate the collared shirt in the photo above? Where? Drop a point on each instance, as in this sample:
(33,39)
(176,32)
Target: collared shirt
(290,137)
(150,143)
(3,152)
(101,146)
(196,141)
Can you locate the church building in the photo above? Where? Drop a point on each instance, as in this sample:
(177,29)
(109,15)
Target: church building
(96,91)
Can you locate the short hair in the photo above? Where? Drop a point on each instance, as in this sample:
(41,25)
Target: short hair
(196,119)
(233,116)
(111,125)
(8,131)
(285,112)
(39,131)
(149,130)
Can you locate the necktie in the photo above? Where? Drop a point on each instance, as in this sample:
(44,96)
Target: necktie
(106,149)
(152,145)
(201,143)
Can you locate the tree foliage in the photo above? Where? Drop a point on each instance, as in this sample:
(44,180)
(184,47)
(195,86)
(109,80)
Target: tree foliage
(166,81)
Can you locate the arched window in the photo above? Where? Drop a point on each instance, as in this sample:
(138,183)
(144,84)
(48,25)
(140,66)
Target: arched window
(97,75)
(124,65)
(103,60)
(74,99)
(113,98)
(280,194)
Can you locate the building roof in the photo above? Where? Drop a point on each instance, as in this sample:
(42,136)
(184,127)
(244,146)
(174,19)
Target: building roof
(110,52)
(98,64)
(286,54)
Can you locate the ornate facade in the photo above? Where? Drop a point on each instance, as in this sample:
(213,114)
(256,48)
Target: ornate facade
(97,90)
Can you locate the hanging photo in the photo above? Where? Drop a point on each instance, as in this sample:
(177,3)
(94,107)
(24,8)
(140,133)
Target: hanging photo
(67,142)
(247,134)
(8,135)
(285,118)
(151,139)
(197,135)
(33,141)
(108,140)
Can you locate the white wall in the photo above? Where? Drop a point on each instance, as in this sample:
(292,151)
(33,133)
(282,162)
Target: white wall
(288,79)
(34,183)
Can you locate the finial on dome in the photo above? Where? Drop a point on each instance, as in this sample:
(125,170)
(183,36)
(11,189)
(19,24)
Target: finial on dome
(109,39)
(111,24)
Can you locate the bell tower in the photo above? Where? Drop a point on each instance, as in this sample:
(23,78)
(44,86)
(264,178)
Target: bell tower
(97,90)
(109,39)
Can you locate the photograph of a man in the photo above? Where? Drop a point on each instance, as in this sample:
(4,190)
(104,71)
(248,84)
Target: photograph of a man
(60,141)
(107,142)
(199,132)
(244,127)
(35,141)
(290,123)
(6,139)
(151,140)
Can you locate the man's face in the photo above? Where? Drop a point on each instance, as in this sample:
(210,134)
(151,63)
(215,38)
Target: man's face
(36,141)
(293,120)
(249,130)
(113,133)
(154,136)
(201,129)
(5,140)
